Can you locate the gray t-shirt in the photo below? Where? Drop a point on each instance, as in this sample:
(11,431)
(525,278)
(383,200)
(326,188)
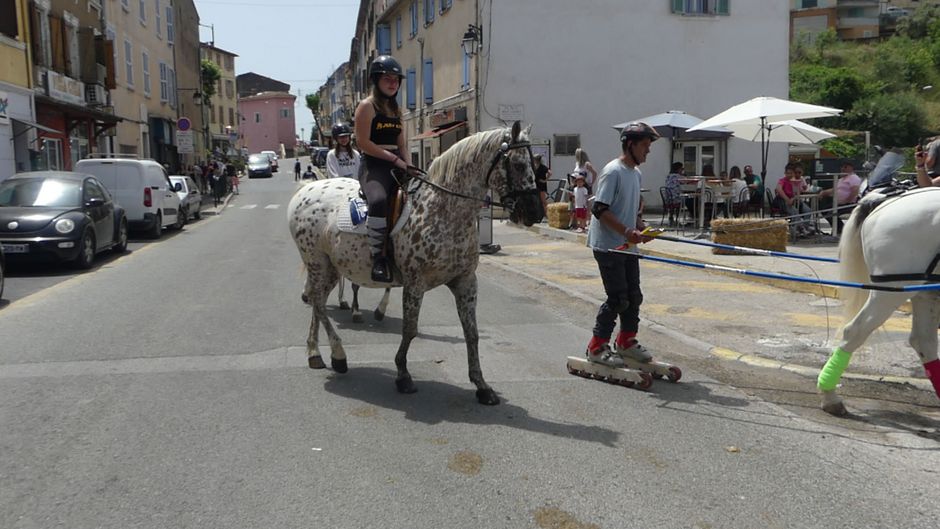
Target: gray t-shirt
(618,186)
(933,152)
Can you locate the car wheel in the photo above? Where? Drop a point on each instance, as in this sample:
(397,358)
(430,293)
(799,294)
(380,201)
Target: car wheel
(157,229)
(86,251)
(181,216)
(198,214)
(120,245)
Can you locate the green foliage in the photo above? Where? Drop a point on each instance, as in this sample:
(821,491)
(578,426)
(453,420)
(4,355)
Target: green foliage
(313,103)
(211,73)
(894,119)
(824,85)
(921,23)
(842,147)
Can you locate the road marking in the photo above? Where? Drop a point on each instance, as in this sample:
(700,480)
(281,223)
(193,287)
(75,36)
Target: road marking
(250,206)
(272,206)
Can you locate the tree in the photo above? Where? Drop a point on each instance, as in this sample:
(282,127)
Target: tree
(895,120)
(313,103)
(211,73)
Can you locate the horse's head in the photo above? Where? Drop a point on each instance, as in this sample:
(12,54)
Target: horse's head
(511,176)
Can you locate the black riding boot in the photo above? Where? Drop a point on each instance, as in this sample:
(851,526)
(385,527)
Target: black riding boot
(377,229)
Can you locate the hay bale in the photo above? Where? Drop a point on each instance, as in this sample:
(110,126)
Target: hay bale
(765,234)
(558,215)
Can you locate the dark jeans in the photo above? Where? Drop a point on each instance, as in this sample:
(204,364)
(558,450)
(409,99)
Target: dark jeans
(621,276)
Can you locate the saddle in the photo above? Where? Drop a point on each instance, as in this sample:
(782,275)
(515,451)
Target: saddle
(353,218)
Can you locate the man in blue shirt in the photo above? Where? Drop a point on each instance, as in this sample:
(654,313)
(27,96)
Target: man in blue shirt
(617,220)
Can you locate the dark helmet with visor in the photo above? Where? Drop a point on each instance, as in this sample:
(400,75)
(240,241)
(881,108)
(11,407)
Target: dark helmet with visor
(637,130)
(341,129)
(382,65)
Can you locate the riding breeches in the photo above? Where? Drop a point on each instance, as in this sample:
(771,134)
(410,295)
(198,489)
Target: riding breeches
(620,274)
(378,185)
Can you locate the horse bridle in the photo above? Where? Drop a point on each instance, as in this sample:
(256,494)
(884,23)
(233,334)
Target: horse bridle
(501,154)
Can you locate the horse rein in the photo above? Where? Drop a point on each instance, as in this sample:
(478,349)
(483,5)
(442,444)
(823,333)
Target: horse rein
(504,149)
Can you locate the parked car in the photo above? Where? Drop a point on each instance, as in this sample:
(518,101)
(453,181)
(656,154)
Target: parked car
(273,156)
(142,188)
(319,157)
(59,216)
(259,166)
(3,270)
(190,197)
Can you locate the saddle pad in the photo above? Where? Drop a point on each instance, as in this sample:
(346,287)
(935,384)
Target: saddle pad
(344,221)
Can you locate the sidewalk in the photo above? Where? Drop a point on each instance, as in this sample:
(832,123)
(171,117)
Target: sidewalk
(719,316)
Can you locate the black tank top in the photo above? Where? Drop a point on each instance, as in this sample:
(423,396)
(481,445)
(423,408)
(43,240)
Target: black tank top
(385,129)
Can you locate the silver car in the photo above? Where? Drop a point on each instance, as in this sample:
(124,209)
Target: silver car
(190,197)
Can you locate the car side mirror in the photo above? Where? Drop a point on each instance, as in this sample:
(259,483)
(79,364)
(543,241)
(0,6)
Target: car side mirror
(177,187)
(94,202)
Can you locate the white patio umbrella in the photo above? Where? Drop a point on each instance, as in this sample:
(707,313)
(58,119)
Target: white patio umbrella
(789,131)
(759,115)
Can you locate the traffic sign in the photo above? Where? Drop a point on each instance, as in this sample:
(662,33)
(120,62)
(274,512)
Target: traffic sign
(184,124)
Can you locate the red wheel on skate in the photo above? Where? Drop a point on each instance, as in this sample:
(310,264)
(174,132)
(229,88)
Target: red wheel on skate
(674,374)
(646,382)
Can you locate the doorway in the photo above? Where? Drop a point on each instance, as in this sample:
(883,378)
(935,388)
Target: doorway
(695,155)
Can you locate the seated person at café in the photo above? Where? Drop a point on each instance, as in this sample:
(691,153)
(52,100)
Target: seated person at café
(755,184)
(846,192)
(788,192)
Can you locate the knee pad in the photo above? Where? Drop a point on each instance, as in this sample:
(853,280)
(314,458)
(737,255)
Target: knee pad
(618,304)
(635,298)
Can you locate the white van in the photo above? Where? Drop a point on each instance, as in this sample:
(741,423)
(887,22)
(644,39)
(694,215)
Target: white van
(142,188)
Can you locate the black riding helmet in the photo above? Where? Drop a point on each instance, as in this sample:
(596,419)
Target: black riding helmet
(382,65)
(637,130)
(341,129)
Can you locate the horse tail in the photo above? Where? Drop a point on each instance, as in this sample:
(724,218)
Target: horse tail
(852,266)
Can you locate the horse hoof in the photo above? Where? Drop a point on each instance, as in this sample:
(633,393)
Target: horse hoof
(405,385)
(339,365)
(379,315)
(357,318)
(315,362)
(343,305)
(487,396)
(837,409)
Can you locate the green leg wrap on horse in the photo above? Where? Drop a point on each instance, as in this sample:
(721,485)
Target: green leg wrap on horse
(832,371)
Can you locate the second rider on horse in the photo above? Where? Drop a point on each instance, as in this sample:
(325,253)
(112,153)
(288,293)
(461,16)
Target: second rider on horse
(381,139)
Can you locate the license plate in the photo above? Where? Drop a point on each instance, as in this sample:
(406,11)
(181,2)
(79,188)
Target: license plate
(15,248)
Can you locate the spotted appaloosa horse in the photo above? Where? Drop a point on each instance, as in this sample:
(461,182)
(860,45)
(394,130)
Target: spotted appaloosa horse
(897,244)
(438,244)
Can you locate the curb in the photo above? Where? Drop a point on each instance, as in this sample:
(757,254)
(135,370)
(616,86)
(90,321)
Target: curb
(704,347)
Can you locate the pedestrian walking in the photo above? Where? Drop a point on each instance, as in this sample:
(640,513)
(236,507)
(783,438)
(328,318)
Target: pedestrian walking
(297,169)
(617,220)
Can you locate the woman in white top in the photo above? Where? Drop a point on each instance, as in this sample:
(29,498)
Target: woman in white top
(342,160)
(582,168)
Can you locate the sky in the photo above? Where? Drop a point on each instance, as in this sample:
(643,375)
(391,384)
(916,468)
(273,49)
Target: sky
(299,42)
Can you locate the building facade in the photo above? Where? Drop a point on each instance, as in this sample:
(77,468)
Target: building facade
(192,146)
(72,71)
(850,19)
(17,118)
(543,67)
(269,122)
(223,120)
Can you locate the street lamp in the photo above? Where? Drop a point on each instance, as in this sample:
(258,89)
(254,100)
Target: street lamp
(197,95)
(472,40)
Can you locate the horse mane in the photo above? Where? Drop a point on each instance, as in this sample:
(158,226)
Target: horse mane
(463,152)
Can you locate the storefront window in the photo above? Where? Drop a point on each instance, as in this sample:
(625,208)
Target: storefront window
(78,145)
(50,155)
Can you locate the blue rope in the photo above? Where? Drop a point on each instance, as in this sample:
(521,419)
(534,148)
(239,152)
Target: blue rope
(752,251)
(769,275)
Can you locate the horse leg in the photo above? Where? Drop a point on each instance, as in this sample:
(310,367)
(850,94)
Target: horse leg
(411,307)
(383,305)
(874,313)
(342,303)
(356,315)
(464,290)
(926,309)
(320,282)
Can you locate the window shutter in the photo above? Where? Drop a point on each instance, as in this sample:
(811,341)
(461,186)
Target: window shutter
(723,7)
(428,78)
(678,6)
(108,54)
(383,39)
(466,72)
(35,35)
(57,38)
(410,85)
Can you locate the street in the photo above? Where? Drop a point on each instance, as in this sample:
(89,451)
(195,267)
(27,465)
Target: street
(168,387)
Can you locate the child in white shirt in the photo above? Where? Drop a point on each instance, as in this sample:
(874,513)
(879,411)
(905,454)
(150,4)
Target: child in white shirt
(580,203)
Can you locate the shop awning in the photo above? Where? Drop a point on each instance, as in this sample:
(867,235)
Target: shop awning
(73,111)
(433,133)
(32,124)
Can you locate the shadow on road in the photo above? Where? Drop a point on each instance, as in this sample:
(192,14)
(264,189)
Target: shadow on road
(437,402)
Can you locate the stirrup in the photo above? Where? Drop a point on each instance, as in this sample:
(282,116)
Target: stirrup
(380,270)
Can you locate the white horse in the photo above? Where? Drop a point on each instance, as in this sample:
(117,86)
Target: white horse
(438,244)
(380,309)
(896,243)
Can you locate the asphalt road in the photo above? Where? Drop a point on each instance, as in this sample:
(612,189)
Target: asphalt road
(168,388)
